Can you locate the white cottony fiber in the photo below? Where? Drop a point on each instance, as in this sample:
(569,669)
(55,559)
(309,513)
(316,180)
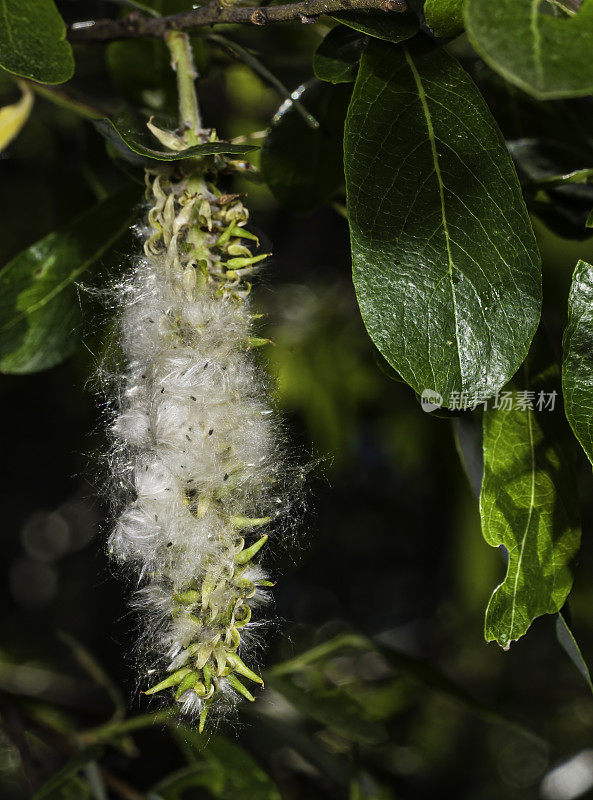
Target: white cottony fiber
(195,443)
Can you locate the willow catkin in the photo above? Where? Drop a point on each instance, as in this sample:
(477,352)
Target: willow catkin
(197,441)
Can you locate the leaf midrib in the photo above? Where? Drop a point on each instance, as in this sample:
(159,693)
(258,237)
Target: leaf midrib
(437,170)
(537,41)
(527,525)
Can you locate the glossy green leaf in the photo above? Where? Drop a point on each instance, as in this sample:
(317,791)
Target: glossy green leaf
(577,366)
(528,503)
(303,165)
(391,26)
(336,59)
(33,41)
(444,17)
(546,55)
(39,305)
(57,785)
(127,131)
(445,264)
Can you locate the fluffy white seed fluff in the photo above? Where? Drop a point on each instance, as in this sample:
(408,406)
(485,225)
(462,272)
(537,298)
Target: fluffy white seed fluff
(195,442)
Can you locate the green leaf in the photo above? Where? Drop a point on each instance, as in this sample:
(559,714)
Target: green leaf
(334,708)
(56,785)
(570,645)
(391,26)
(39,307)
(424,673)
(548,162)
(548,56)
(176,785)
(73,789)
(228,770)
(336,59)
(319,653)
(445,264)
(302,165)
(555,184)
(467,430)
(528,504)
(577,366)
(33,41)
(13,117)
(444,17)
(127,131)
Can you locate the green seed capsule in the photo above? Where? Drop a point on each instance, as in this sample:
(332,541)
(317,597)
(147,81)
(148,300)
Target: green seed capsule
(239,263)
(246,555)
(238,666)
(238,686)
(238,250)
(170,681)
(256,341)
(188,597)
(207,672)
(187,683)
(236,231)
(204,715)
(225,236)
(240,522)
(242,621)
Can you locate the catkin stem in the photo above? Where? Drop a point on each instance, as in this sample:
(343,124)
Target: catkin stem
(183,63)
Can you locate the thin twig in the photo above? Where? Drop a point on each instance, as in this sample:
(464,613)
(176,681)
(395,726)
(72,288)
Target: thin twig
(182,61)
(136,26)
